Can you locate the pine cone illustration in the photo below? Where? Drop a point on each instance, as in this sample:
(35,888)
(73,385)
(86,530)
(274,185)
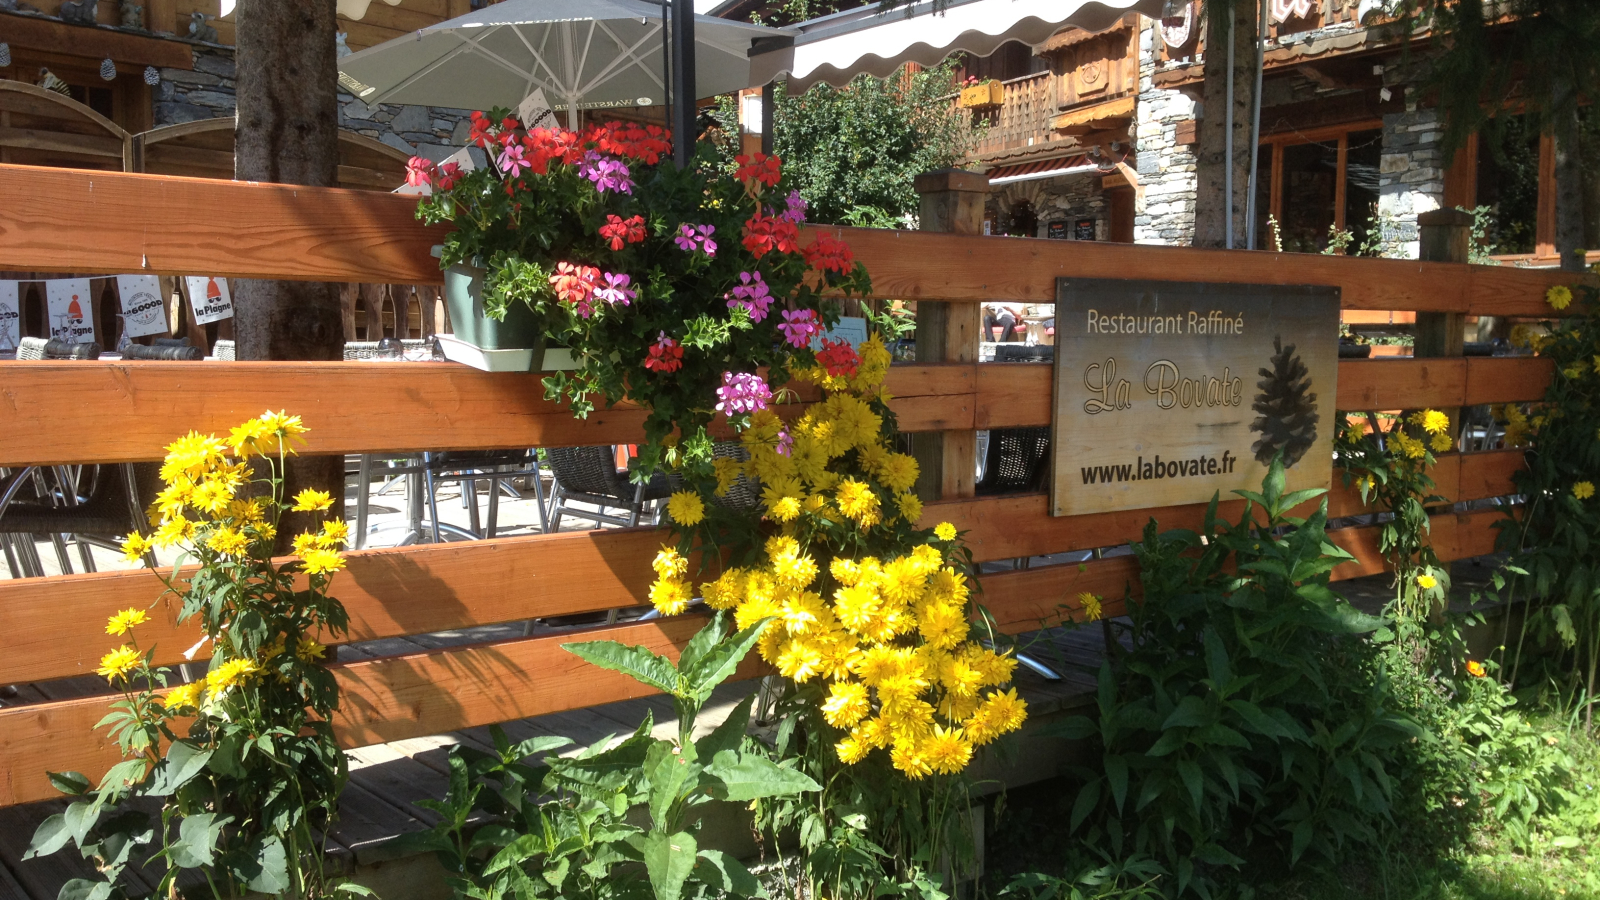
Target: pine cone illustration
(1286,409)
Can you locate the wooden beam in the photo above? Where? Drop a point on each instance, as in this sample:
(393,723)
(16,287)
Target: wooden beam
(52,35)
(61,141)
(353,407)
(382,700)
(329,234)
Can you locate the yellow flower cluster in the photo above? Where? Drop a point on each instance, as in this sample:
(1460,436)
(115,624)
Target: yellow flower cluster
(1432,422)
(1519,428)
(199,507)
(887,633)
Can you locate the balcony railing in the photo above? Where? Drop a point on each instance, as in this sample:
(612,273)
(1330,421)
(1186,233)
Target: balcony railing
(1022,120)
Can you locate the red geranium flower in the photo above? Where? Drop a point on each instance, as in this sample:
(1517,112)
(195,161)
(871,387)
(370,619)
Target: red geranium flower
(763,235)
(449,174)
(575,284)
(618,230)
(758,169)
(665,356)
(829,254)
(839,358)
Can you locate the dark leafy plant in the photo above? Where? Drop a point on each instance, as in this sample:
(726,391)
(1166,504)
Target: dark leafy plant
(520,823)
(1244,717)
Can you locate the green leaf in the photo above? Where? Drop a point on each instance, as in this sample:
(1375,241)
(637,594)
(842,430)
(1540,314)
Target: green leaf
(727,735)
(1191,713)
(81,817)
(83,889)
(197,840)
(73,783)
(703,641)
(543,743)
(726,873)
(268,872)
(51,835)
(739,777)
(1087,798)
(555,874)
(667,773)
(1117,776)
(721,661)
(637,663)
(184,761)
(668,860)
(525,847)
(1189,771)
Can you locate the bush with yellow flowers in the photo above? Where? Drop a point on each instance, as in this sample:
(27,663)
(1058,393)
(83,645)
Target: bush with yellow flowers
(243,760)
(1551,537)
(1389,467)
(883,683)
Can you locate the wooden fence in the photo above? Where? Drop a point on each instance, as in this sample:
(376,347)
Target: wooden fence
(125,411)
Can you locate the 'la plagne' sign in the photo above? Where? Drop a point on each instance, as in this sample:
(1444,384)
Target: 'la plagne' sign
(1169,392)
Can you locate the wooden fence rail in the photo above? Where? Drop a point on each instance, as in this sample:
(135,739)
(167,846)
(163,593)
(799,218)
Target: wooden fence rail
(53,628)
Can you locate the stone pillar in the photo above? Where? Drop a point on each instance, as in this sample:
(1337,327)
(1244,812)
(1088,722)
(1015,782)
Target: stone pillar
(952,201)
(1411,168)
(1165,163)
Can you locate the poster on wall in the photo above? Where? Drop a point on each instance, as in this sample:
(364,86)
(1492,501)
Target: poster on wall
(1169,392)
(1083,230)
(141,305)
(10,317)
(71,310)
(1057,230)
(210,298)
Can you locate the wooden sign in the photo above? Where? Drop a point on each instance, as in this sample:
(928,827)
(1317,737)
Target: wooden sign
(1169,392)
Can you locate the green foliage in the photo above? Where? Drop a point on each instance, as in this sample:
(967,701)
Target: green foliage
(236,776)
(1245,717)
(854,152)
(1554,536)
(523,823)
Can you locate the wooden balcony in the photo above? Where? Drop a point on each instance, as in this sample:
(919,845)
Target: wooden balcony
(1022,120)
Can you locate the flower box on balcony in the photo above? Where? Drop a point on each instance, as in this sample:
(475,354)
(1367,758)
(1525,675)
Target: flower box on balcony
(982,95)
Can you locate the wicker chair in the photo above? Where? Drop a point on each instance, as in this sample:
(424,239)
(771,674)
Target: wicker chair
(225,350)
(377,350)
(1017,459)
(93,505)
(590,475)
(468,467)
(745,492)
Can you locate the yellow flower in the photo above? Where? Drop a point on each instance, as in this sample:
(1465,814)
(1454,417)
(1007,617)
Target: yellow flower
(171,500)
(1559,296)
(726,591)
(211,496)
(306,542)
(321,561)
(686,508)
(898,472)
(282,424)
(1476,669)
(191,455)
(119,662)
(1427,582)
(906,757)
(851,750)
(858,501)
(1001,713)
(228,542)
(1090,604)
(670,596)
(252,436)
(946,751)
(1442,442)
(134,547)
(308,650)
(799,661)
(1409,447)
(847,704)
(669,563)
(910,507)
(122,621)
(728,472)
(335,534)
(1583,490)
(230,674)
(312,500)
(1431,420)
(172,531)
(183,696)
(944,531)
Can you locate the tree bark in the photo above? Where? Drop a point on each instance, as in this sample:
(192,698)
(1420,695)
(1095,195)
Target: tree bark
(1226,20)
(287,131)
(1569,180)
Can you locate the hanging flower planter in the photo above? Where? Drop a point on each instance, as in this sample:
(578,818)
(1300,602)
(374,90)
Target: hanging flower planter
(512,343)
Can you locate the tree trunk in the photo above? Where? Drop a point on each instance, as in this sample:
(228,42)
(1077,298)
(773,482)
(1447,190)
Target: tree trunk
(1226,20)
(1569,181)
(287,132)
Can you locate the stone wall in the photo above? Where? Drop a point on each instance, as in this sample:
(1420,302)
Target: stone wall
(1066,198)
(1166,168)
(207,92)
(1411,170)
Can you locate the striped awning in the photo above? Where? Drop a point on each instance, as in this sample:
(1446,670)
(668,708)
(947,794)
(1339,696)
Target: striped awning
(1045,168)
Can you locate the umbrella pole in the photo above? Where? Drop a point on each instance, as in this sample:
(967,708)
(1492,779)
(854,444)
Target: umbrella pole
(683,92)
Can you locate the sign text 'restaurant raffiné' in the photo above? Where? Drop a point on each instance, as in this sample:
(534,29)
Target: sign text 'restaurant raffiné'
(1213,322)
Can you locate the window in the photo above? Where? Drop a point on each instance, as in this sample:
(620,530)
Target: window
(1318,185)
(1508,183)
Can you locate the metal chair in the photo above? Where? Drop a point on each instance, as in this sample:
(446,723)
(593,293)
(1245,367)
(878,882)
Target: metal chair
(590,475)
(88,504)
(745,492)
(1017,459)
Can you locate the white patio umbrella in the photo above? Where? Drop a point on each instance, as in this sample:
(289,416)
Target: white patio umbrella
(590,54)
(838,47)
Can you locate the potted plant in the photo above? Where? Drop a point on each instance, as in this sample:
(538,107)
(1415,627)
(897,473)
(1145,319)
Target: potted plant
(666,283)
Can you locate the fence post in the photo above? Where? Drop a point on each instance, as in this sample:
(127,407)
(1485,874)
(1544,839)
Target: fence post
(952,201)
(1446,236)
